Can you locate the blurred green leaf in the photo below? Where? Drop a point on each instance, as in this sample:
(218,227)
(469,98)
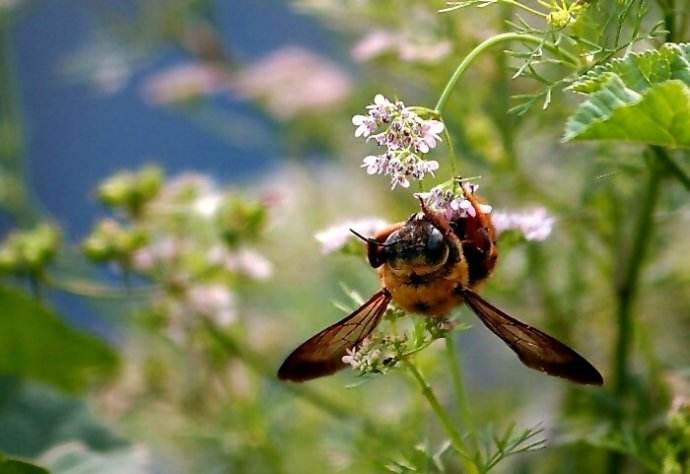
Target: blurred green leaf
(35,418)
(643,98)
(76,458)
(12,466)
(36,344)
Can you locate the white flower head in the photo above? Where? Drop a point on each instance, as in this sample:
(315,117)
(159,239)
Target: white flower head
(245,262)
(291,81)
(454,206)
(406,137)
(377,354)
(535,224)
(215,302)
(334,238)
(183,82)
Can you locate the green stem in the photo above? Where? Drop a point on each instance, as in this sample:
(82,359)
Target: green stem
(258,364)
(12,131)
(451,152)
(489,43)
(442,415)
(626,291)
(35,285)
(92,290)
(673,168)
(459,385)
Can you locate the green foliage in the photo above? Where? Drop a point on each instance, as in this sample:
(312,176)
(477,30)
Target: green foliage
(110,241)
(643,98)
(240,219)
(130,191)
(35,418)
(27,252)
(36,344)
(13,466)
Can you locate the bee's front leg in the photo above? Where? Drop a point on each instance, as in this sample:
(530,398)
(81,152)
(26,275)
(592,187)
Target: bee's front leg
(442,224)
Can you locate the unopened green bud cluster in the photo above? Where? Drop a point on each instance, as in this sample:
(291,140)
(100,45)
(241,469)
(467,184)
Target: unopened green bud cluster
(130,191)
(28,252)
(110,241)
(240,219)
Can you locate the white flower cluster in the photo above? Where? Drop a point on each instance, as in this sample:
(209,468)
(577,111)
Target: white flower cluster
(406,138)
(535,224)
(376,354)
(336,237)
(213,301)
(452,205)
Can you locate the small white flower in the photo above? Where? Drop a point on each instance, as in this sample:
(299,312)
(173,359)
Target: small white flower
(464,207)
(334,238)
(365,125)
(350,356)
(374,164)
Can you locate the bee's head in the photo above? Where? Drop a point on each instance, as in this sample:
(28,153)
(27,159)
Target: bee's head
(418,246)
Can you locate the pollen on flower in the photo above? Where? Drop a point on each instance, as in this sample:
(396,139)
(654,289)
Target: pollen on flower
(405,136)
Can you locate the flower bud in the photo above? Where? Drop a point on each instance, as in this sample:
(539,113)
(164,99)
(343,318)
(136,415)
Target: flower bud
(240,219)
(110,241)
(29,251)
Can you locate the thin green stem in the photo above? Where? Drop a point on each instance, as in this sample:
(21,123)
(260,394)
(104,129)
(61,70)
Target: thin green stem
(489,43)
(525,7)
(626,292)
(453,435)
(459,385)
(92,290)
(36,287)
(451,152)
(673,168)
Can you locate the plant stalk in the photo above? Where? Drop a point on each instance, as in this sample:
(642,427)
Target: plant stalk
(453,435)
(626,292)
(489,43)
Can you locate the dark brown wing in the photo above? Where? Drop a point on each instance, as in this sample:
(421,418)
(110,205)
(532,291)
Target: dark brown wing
(322,354)
(534,348)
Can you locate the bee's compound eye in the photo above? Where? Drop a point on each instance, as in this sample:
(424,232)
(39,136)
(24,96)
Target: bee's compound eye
(436,250)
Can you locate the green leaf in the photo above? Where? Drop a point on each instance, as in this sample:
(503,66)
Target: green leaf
(77,458)
(35,417)
(36,344)
(12,466)
(642,98)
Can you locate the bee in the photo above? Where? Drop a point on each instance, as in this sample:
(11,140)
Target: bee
(430,265)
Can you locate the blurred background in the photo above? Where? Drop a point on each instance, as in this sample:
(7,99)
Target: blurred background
(165,167)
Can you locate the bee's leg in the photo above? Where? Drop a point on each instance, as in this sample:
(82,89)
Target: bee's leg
(442,224)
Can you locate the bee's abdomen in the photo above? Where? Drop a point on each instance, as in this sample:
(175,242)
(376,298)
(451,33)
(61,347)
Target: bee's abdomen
(433,297)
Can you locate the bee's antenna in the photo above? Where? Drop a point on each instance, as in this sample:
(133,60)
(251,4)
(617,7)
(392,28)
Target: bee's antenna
(368,240)
(359,236)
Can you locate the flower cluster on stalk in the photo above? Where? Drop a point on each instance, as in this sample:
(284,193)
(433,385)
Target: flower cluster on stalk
(451,204)
(377,354)
(189,238)
(406,137)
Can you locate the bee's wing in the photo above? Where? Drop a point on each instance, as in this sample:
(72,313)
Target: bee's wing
(534,348)
(322,354)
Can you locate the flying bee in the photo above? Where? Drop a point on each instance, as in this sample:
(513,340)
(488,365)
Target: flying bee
(429,265)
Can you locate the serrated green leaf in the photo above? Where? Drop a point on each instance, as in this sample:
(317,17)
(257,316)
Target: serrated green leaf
(36,344)
(642,98)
